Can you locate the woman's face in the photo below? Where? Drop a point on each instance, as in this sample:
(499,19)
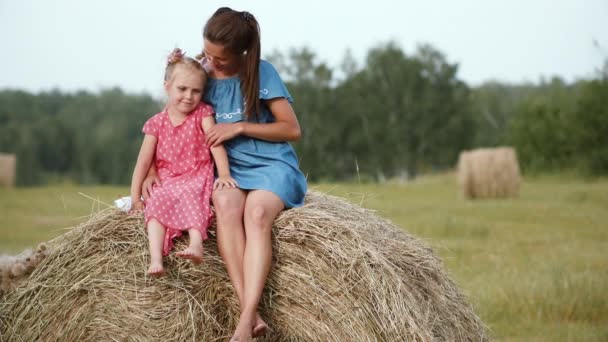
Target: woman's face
(221,60)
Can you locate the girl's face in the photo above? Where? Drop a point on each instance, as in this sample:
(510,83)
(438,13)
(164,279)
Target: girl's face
(221,60)
(184,89)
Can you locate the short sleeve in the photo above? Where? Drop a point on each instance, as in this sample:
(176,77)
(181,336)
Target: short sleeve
(152,126)
(271,84)
(207,110)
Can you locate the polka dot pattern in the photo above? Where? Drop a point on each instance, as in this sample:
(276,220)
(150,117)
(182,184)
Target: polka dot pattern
(185,168)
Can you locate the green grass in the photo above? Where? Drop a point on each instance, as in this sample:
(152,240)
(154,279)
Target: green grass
(535,268)
(32,215)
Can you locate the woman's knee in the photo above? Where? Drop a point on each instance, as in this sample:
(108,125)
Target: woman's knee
(228,204)
(258,215)
(258,219)
(261,208)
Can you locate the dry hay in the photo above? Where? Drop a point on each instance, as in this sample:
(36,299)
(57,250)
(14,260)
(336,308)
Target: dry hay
(8,164)
(340,273)
(489,173)
(16,269)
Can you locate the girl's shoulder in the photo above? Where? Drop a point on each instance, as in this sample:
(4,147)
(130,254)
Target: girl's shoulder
(204,106)
(203,110)
(158,117)
(154,123)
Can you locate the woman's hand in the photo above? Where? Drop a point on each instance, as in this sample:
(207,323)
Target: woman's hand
(221,132)
(147,185)
(224,182)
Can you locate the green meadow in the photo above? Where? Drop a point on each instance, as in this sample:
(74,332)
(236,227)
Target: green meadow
(535,268)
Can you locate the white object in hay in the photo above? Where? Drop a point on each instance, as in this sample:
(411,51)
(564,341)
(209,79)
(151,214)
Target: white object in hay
(123,203)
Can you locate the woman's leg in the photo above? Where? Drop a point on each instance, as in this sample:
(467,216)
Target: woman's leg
(156,238)
(261,208)
(229,207)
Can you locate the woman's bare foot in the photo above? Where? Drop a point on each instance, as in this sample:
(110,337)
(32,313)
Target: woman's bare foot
(242,333)
(156,269)
(192,253)
(260,328)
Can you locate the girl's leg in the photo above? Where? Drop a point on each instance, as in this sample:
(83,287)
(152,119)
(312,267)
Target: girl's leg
(261,208)
(229,205)
(194,252)
(156,237)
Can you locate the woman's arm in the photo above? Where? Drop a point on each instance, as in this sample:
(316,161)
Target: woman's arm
(285,127)
(144,159)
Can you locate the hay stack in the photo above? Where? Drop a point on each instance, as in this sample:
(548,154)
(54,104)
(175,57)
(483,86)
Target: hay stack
(16,269)
(340,273)
(8,165)
(489,173)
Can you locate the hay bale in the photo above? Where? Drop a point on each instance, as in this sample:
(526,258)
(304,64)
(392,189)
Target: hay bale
(340,273)
(489,173)
(16,269)
(8,167)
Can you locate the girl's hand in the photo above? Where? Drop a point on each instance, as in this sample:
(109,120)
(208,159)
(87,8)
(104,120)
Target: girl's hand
(223,131)
(147,185)
(136,207)
(224,182)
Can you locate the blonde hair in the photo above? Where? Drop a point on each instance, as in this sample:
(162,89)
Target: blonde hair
(178,58)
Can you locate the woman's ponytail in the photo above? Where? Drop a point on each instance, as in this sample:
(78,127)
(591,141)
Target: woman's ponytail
(239,33)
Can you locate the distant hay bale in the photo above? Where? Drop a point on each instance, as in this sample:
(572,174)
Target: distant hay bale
(489,173)
(8,165)
(340,273)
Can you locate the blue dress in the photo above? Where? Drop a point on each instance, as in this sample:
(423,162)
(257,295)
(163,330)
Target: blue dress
(258,164)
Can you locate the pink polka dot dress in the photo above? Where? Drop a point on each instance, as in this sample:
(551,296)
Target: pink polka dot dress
(185,168)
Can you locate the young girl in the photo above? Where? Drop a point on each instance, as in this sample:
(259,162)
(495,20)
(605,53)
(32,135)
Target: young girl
(175,140)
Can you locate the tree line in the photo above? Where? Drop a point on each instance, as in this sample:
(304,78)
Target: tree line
(396,115)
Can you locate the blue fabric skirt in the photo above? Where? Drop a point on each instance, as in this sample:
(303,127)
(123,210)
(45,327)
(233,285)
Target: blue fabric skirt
(263,165)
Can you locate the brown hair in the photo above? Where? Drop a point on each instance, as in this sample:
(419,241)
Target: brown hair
(239,33)
(177,57)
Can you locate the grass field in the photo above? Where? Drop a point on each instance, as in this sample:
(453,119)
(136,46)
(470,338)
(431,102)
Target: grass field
(535,268)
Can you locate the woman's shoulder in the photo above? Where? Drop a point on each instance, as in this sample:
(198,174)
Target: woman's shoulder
(271,84)
(267,69)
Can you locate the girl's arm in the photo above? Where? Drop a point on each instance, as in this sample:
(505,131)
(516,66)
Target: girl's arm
(221,159)
(144,159)
(149,181)
(285,127)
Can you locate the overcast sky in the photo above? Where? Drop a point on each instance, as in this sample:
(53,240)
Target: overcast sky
(93,45)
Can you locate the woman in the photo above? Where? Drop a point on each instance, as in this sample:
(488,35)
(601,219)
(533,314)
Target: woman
(255,121)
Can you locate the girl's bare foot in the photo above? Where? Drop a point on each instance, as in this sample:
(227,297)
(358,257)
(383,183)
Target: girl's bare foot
(260,328)
(156,269)
(242,333)
(192,253)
